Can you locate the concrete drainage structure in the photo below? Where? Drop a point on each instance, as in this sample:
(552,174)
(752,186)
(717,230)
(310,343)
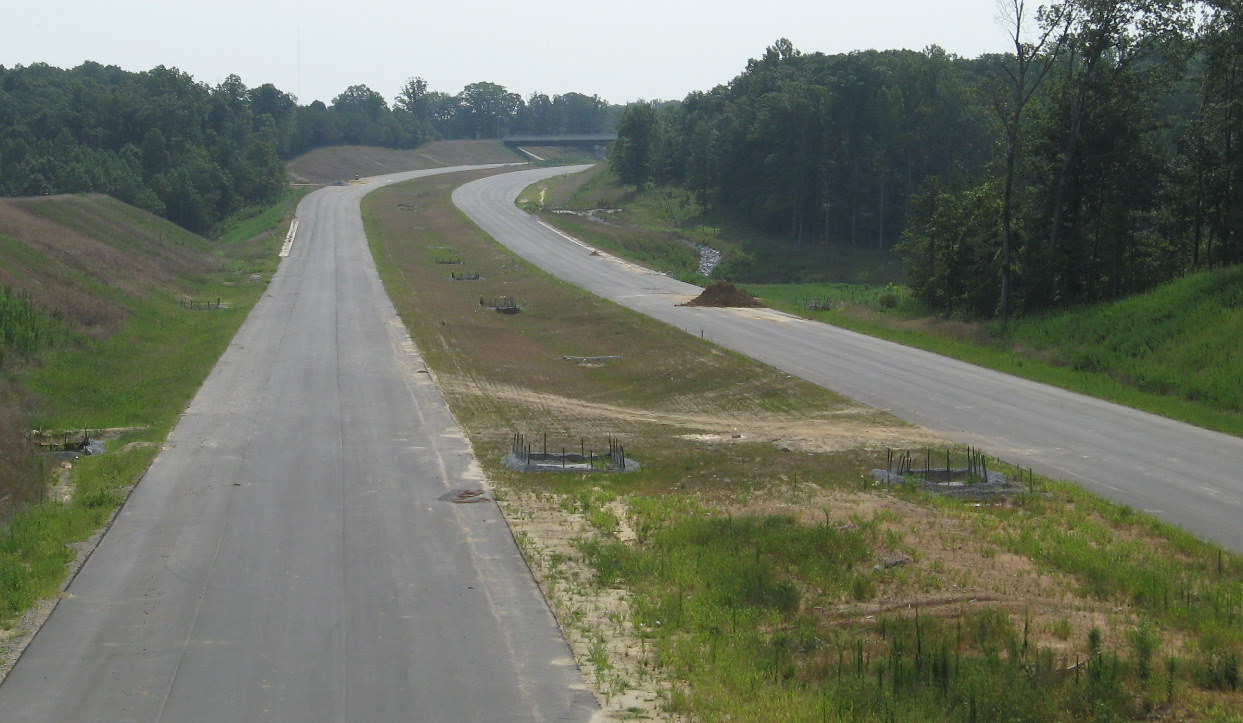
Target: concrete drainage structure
(523,458)
(955,482)
(973,481)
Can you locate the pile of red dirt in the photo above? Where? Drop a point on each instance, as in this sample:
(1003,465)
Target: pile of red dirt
(722,294)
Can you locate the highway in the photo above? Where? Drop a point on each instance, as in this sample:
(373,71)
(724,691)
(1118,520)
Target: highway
(1183,474)
(287,556)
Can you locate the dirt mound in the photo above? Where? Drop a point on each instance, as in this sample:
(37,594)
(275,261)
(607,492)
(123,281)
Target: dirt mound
(722,294)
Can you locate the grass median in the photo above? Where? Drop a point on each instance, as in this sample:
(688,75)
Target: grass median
(751,568)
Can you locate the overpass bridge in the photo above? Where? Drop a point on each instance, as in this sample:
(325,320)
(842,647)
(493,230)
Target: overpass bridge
(584,141)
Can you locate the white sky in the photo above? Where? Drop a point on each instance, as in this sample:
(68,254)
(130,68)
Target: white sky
(621,51)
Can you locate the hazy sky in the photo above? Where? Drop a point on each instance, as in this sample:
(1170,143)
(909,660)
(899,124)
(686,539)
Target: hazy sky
(621,51)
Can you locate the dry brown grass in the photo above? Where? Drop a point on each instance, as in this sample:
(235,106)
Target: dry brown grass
(711,420)
(81,259)
(78,257)
(17,461)
(951,571)
(740,437)
(333,163)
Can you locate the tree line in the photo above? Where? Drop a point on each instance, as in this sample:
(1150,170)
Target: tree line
(1100,157)
(193,153)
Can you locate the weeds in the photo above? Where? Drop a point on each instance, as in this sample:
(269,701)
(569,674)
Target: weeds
(136,367)
(761,615)
(727,602)
(23,330)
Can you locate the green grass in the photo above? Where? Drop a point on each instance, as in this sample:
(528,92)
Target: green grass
(1168,351)
(1175,578)
(151,368)
(801,298)
(142,376)
(252,222)
(35,543)
(751,614)
(652,220)
(147,371)
(729,604)
(23,330)
(1181,339)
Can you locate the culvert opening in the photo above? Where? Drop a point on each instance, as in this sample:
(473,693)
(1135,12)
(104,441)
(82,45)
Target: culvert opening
(526,457)
(65,445)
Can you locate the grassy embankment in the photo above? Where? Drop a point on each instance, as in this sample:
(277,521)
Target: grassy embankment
(1168,351)
(115,348)
(93,333)
(743,572)
(337,163)
(334,163)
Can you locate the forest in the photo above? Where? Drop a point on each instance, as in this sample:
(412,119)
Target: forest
(1099,158)
(195,154)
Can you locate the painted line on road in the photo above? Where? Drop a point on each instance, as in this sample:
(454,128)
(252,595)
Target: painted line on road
(288,245)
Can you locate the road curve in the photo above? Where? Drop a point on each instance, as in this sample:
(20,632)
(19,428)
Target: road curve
(286,557)
(1183,474)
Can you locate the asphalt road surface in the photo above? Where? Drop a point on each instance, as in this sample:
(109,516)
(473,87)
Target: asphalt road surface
(1183,474)
(286,558)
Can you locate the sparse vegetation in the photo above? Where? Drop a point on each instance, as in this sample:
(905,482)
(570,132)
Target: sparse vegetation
(751,571)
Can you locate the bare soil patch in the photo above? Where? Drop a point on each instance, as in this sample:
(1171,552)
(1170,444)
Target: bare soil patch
(827,431)
(597,622)
(951,570)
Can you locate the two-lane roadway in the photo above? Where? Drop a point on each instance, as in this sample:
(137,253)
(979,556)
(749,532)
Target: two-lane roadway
(286,557)
(1183,474)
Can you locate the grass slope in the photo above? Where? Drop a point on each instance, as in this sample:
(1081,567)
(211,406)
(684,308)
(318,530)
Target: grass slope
(123,351)
(1181,339)
(333,163)
(743,573)
(1169,351)
(657,226)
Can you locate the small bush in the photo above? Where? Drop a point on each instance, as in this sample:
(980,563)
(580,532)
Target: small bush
(1219,670)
